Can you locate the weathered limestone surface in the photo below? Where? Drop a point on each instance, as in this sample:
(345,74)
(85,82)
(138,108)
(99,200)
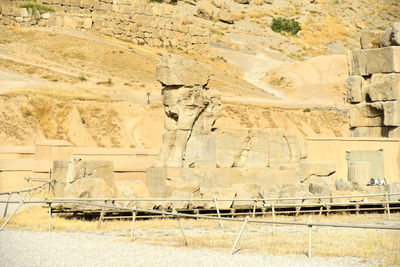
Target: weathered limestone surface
(377,60)
(355,89)
(370,131)
(165,182)
(384,87)
(373,86)
(391,36)
(370,39)
(84,178)
(190,109)
(176,70)
(367,115)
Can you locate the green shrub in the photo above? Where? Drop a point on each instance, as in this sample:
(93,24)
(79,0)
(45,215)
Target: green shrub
(285,25)
(37,7)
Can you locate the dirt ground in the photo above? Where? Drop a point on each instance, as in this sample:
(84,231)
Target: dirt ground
(261,239)
(92,91)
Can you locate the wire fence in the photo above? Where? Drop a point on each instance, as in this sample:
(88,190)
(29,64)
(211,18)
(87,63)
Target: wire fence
(178,216)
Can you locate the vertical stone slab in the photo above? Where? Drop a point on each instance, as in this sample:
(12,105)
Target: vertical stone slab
(354,89)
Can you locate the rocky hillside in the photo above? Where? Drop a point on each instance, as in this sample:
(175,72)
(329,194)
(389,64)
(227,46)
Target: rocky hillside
(93,90)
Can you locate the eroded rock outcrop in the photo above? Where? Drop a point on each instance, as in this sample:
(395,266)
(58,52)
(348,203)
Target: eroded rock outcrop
(190,109)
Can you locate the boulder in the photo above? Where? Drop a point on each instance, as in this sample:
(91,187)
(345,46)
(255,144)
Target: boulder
(226,16)
(391,36)
(370,39)
(220,4)
(244,2)
(343,185)
(205,10)
(245,191)
(293,191)
(320,188)
(89,187)
(131,189)
(393,188)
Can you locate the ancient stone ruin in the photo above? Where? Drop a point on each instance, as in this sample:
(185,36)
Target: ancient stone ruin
(374,85)
(198,160)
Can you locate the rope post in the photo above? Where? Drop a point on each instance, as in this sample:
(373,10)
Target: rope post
(309,236)
(254,208)
(133,223)
(101,217)
(273,219)
(239,235)
(320,212)
(5,209)
(180,226)
(298,208)
(12,214)
(50,216)
(219,214)
(387,205)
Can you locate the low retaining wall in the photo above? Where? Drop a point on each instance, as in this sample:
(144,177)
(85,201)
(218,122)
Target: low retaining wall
(334,150)
(16,163)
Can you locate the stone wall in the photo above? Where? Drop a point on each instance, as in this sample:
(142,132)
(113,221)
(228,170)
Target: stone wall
(374,85)
(16,163)
(137,21)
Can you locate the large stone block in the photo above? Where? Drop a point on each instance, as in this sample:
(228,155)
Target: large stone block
(164,181)
(384,87)
(367,115)
(370,131)
(378,60)
(391,113)
(370,39)
(84,178)
(232,146)
(393,188)
(257,156)
(177,70)
(391,36)
(278,150)
(201,152)
(354,89)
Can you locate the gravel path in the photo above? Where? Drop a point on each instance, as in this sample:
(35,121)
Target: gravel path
(20,248)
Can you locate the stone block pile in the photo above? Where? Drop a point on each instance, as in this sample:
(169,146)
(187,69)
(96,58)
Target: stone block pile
(374,85)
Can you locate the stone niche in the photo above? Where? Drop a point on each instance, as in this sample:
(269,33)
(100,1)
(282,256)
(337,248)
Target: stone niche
(198,160)
(373,86)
